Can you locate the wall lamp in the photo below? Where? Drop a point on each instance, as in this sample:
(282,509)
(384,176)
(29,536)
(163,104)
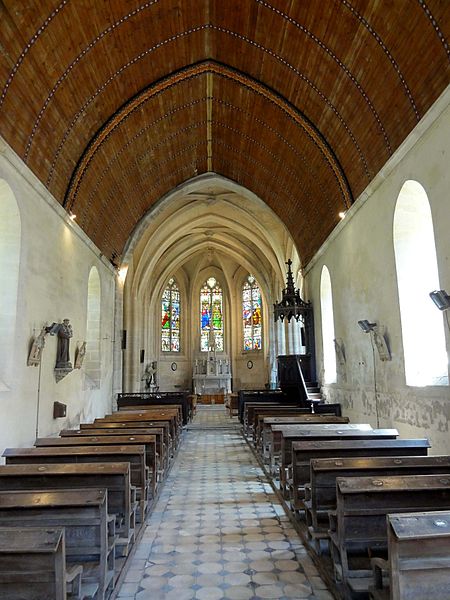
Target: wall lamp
(441,299)
(366,326)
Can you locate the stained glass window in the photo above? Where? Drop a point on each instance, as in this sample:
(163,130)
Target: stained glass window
(252,314)
(170,318)
(211,316)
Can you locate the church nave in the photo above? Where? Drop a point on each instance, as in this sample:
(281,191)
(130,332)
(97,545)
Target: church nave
(218,529)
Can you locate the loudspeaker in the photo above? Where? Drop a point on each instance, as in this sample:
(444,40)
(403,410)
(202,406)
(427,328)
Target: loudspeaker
(124,339)
(142,356)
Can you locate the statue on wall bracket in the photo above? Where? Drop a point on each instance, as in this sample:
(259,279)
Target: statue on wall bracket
(64,332)
(79,356)
(37,347)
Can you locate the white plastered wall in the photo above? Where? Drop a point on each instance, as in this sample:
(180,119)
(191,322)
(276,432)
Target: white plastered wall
(55,261)
(360,257)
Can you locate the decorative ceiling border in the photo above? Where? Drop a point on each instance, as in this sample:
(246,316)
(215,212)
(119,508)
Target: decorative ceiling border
(190,72)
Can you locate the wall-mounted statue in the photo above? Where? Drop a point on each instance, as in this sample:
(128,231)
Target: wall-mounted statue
(65,332)
(79,356)
(35,355)
(149,376)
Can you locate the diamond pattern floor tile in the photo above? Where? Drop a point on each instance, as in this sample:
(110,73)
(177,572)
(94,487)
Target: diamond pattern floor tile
(218,531)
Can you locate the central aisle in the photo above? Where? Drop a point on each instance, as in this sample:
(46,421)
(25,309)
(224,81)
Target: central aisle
(218,530)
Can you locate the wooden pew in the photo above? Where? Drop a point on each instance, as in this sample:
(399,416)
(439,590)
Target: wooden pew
(266,422)
(327,408)
(322,432)
(158,432)
(149,399)
(32,564)
(320,492)
(253,408)
(270,411)
(148,415)
(358,529)
(89,531)
(112,425)
(418,558)
(174,409)
(134,455)
(250,407)
(115,477)
(149,441)
(245,396)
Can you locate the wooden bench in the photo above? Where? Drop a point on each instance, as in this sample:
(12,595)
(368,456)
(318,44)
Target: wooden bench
(252,409)
(149,441)
(113,425)
(158,432)
(115,477)
(245,396)
(89,531)
(325,408)
(149,399)
(418,558)
(174,409)
(320,492)
(141,416)
(32,564)
(140,476)
(266,422)
(358,529)
(283,435)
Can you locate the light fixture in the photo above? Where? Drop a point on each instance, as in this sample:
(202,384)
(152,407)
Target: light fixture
(291,305)
(72,216)
(441,299)
(366,326)
(342,214)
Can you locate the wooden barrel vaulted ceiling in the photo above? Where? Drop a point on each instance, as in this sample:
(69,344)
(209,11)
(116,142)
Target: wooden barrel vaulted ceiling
(113,103)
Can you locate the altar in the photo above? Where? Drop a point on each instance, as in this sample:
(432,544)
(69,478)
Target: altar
(212,375)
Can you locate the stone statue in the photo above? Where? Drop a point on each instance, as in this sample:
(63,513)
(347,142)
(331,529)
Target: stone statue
(79,357)
(34,358)
(149,375)
(62,354)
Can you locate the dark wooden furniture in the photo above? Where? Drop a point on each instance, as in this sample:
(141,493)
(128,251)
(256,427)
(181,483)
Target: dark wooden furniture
(113,425)
(418,558)
(320,492)
(147,399)
(32,563)
(149,441)
(140,476)
(260,396)
(89,531)
(358,529)
(158,432)
(266,422)
(115,477)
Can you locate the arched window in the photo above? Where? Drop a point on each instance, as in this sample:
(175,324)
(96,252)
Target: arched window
(252,314)
(92,362)
(211,316)
(417,275)
(326,306)
(10,240)
(170,318)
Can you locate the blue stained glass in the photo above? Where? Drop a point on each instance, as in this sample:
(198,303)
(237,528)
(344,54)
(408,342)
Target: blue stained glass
(252,315)
(170,321)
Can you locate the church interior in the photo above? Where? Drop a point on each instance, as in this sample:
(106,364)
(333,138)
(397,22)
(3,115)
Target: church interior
(167,169)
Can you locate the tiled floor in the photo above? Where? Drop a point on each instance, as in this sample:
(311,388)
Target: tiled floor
(218,530)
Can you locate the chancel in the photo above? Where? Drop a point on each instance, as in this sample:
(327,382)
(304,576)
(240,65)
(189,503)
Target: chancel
(224,251)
